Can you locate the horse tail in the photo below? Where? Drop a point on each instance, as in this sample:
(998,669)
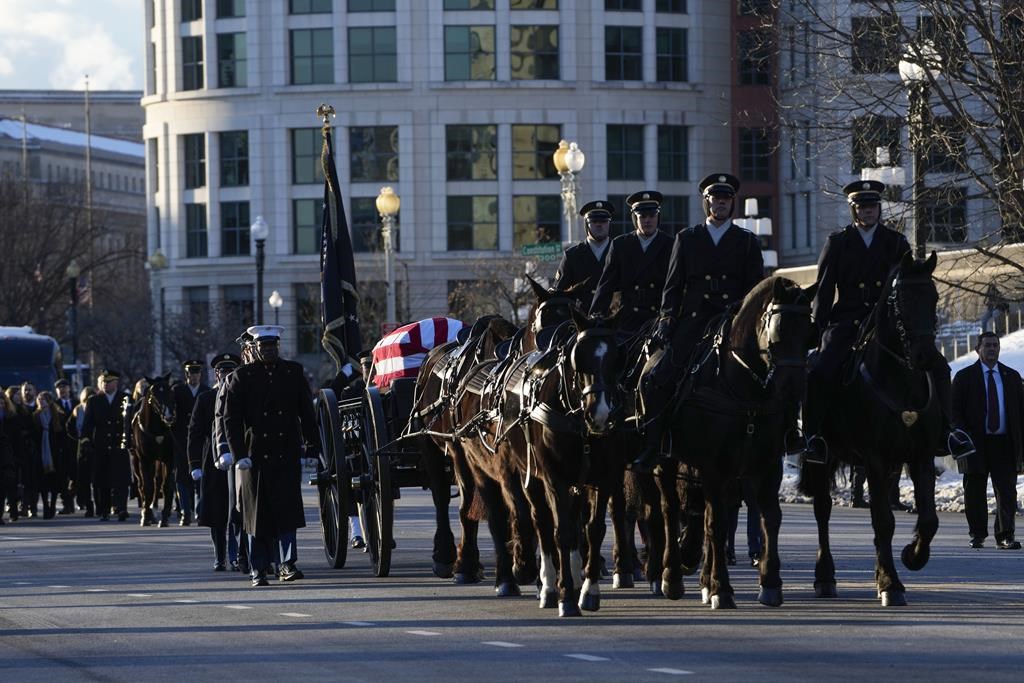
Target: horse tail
(477,509)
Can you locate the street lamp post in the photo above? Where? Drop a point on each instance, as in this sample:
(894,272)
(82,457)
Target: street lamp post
(569,160)
(388,204)
(275,302)
(259,231)
(917,68)
(73,271)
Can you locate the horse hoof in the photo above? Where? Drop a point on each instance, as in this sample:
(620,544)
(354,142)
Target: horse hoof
(464,579)
(548,599)
(656,589)
(525,575)
(567,608)
(893,598)
(589,602)
(723,602)
(622,580)
(443,570)
(705,596)
(915,561)
(825,589)
(673,590)
(772,597)
(145,522)
(507,589)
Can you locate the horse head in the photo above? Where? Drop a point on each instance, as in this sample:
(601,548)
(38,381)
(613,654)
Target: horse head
(905,316)
(498,330)
(160,399)
(595,362)
(550,310)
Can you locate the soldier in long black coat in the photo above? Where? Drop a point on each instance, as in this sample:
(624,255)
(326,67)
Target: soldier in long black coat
(713,265)
(102,431)
(636,266)
(185,395)
(268,417)
(583,263)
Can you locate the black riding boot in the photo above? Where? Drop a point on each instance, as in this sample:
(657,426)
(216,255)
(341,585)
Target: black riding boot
(816,452)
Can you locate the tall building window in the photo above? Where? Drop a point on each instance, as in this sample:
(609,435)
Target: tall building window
(673,153)
(471,152)
(472,223)
(238,306)
(870,132)
(671,54)
(373,153)
(372,55)
(755,154)
(195,160)
(234,158)
(191,63)
(310,6)
(755,58)
(875,44)
(154,155)
(532,150)
(191,10)
(312,56)
(231,60)
(230,8)
(536,219)
(623,53)
(469,53)
(195,231)
(625,152)
(197,306)
(365,227)
(469,4)
(371,5)
(307,215)
(532,4)
(307,317)
(670,6)
(534,54)
(306,146)
(943,213)
(234,228)
(675,213)
(624,5)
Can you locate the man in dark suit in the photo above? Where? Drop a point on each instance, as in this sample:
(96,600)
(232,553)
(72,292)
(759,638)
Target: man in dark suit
(66,464)
(583,263)
(268,416)
(185,395)
(103,432)
(713,265)
(988,404)
(635,266)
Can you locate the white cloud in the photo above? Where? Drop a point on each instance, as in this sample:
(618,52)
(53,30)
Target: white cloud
(6,68)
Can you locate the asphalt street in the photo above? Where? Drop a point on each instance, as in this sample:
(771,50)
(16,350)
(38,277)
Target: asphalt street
(85,600)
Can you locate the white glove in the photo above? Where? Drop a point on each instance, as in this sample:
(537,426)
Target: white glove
(225,461)
(197,475)
(244,464)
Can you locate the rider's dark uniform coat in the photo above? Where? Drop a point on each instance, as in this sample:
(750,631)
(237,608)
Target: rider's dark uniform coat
(580,265)
(104,427)
(213,487)
(857,273)
(268,415)
(637,275)
(184,403)
(704,278)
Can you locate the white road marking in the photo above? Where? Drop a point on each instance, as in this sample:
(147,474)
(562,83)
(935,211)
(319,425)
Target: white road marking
(58,586)
(423,633)
(588,658)
(139,595)
(358,623)
(96,590)
(675,672)
(297,615)
(237,607)
(186,601)
(22,583)
(500,643)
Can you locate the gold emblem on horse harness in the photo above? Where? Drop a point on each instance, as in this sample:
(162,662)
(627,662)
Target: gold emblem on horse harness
(909,417)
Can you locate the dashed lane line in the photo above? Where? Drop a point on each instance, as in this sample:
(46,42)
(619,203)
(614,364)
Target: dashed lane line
(57,586)
(139,595)
(97,590)
(500,643)
(587,658)
(674,672)
(22,583)
(187,601)
(423,633)
(237,607)
(297,615)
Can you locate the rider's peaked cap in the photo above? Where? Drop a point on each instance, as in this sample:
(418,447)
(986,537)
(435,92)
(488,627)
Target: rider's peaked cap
(597,210)
(719,183)
(644,199)
(864,191)
(193,364)
(109,374)
(222,360)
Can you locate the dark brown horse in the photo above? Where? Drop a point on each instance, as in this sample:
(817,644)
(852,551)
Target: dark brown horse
(153,449)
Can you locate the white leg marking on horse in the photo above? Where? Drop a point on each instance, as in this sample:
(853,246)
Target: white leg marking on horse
(590,587)
(297,615)
(237,607)
(500,643)
(587,658)
(548,578)
(423,633)
(676,672)
(576,566)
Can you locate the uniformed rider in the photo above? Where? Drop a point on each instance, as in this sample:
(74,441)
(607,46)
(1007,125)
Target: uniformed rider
(713,265)
(635,266)
(583,262)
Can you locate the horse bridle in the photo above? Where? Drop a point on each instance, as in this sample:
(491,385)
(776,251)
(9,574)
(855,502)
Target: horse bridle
(774,361)
(554,301)
(894,301)
(158,407)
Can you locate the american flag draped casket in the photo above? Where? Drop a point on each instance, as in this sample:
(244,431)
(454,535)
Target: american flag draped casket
(401,353)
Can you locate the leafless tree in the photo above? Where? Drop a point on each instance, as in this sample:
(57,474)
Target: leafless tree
(498,286)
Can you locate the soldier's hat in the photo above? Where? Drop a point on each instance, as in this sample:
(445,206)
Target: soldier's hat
(265,332)
(193,365)
(864,192)
(61,383)
(719,183)
(109,374)
(600,209)
(225,360)
(644,199)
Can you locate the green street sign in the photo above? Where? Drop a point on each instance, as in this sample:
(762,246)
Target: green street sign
(543,251)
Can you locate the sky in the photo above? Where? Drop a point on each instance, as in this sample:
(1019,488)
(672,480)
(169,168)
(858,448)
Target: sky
(52,44)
